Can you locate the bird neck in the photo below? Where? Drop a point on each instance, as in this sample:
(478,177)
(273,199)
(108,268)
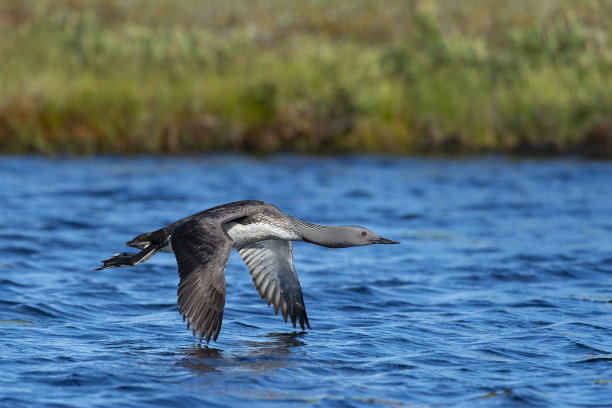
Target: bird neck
(323,235)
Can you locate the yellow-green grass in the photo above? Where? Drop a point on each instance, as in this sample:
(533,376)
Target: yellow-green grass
(399,76)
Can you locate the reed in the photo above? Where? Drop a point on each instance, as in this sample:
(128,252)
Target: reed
(157,76)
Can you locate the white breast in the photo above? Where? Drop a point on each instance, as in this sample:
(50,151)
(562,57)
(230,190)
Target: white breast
(255,232)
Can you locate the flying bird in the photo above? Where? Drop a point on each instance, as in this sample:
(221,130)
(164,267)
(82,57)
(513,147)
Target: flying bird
(262,234)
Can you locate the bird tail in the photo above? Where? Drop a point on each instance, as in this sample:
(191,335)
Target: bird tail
(129,258)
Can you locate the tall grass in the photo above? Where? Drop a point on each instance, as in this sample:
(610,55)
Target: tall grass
(157,76)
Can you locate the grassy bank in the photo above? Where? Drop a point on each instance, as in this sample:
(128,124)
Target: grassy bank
(399,76)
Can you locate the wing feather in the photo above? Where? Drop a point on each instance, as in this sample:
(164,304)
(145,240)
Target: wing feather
(202,248)
(270,263)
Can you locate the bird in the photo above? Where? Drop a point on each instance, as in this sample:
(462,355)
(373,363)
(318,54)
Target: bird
(262,234)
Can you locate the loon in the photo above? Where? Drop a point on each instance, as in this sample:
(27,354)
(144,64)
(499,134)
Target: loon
(262,234)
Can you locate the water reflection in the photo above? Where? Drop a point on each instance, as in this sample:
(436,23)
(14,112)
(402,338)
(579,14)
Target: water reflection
(202,359)
(281,343)
(259,356)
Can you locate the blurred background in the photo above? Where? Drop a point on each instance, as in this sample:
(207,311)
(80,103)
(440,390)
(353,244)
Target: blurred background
(399,76)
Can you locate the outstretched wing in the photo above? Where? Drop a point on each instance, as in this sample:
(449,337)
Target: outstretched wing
(202,248)
(271,265)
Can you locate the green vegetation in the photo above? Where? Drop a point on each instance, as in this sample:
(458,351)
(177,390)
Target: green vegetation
(401,76)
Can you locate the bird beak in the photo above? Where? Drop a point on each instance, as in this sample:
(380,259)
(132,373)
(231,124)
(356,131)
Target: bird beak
(384,241)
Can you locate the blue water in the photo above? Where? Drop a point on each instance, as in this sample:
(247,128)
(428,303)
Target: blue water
(499,295)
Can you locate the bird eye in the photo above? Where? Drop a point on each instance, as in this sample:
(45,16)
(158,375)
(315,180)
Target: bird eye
(363,234)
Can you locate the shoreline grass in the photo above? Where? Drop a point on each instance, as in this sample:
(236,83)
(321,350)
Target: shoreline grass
(85,77)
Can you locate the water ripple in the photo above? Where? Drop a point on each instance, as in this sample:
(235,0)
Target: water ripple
(499,294)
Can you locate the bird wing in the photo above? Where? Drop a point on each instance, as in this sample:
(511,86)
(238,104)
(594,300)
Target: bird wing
(202,248)
(271,265)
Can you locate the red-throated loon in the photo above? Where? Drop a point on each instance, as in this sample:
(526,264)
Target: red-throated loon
(262,234)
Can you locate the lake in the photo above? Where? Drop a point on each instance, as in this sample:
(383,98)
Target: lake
(500,293)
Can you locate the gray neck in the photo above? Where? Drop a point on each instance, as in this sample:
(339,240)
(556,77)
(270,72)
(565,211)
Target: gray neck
(324,235)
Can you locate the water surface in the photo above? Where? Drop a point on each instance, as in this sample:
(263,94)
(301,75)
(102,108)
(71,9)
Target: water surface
(499,295)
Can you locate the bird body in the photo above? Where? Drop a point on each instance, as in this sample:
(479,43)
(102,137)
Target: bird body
(244,234)
(262,234)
